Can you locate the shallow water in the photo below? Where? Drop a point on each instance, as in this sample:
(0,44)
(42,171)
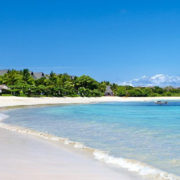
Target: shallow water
(145,132)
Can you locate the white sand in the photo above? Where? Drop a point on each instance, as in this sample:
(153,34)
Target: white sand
(18,101)
(23,157)
(26,157)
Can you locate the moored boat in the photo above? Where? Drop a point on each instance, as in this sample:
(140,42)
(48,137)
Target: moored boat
(161,102)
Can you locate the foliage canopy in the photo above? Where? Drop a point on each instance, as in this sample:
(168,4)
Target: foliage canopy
(21,83)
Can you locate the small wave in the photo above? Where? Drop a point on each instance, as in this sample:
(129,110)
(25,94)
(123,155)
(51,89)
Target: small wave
(135,166)
(131,165)
(3,117)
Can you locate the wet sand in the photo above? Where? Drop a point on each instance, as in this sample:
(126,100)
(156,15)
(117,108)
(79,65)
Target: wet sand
(26,157)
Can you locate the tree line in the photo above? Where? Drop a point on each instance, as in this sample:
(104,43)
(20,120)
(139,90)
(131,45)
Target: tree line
(21,83)
(130,91)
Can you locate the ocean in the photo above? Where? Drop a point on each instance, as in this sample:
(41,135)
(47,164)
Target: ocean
(142,137)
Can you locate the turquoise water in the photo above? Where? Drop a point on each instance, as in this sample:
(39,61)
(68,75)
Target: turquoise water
(145,132)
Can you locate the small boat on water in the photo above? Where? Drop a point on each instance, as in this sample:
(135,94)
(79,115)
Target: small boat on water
(161,102)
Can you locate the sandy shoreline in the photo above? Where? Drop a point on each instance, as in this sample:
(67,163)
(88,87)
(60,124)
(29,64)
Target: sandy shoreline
(24,101)
(28,157)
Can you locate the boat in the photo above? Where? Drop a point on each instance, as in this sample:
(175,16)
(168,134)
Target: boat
(161,102)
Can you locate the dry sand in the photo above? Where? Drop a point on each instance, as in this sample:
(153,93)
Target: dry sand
(18,101)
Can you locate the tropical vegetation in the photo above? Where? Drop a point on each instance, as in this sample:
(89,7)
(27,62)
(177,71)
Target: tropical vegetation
(22,83)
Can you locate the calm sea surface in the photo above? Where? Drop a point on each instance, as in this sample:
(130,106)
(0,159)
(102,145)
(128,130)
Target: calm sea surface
(145,132)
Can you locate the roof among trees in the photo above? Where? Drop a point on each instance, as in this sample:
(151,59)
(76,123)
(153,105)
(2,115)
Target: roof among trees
(108,89)
(37,75)
(3,87)
(3,71)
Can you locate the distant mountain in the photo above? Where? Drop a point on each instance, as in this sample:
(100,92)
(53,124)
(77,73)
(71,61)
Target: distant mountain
(161,80)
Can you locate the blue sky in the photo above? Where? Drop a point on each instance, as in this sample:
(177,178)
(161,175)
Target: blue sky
(108,40)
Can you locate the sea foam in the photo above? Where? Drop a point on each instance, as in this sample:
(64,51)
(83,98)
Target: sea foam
(140,168)
(134,166)
(3,117)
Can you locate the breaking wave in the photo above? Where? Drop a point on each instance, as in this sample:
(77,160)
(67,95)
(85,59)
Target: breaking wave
(138,167)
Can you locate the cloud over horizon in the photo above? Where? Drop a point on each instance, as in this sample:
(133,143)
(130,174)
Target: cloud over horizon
(161,80)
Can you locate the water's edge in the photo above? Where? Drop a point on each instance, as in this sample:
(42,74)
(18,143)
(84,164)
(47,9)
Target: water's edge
(140,168)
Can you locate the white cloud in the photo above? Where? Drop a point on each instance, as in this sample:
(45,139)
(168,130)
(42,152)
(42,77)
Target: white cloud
(161,80)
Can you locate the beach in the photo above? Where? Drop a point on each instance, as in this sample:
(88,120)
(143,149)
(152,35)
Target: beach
(25,157)
(28,101)
(29,157)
